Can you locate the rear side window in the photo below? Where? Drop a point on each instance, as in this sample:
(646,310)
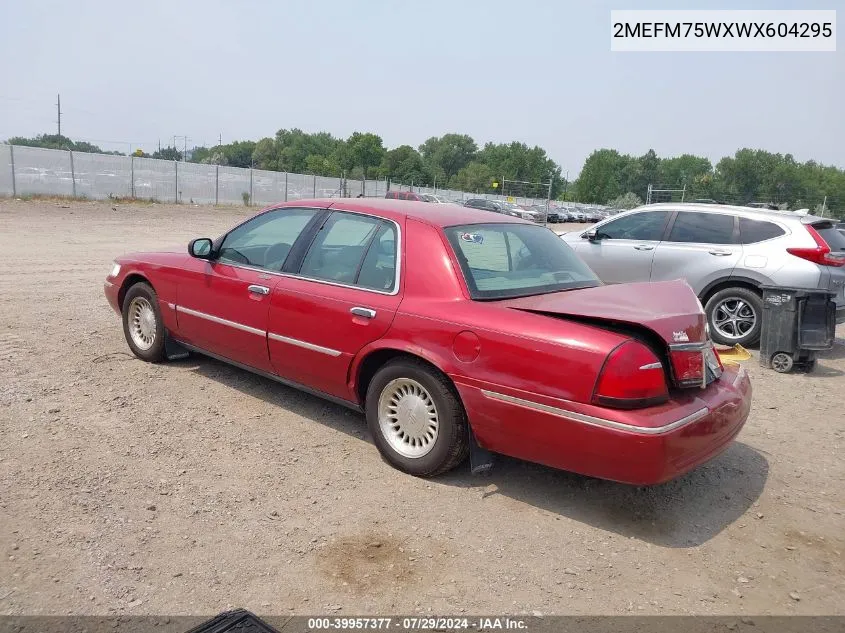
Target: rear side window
(703,228)
(341,252)
(753,231)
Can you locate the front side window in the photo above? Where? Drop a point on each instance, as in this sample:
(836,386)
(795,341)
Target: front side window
(646,226)
(355,250)
(703,228)
(265,241)
(501,261)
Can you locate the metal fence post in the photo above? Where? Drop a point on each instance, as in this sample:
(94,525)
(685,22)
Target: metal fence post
(250,186)
(176,193)
(315,186)
(132,176)
(216,185)
(72,173)
(12,158)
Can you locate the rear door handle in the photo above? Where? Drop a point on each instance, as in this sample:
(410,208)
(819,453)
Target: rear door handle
(367,313)
(259,290)
(644,247)
(720,253)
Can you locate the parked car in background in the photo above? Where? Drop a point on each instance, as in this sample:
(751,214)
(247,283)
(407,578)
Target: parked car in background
(517,211)
(486,205)
(505,338)
(725,253)
(430,197)
(552,215)
(405,195)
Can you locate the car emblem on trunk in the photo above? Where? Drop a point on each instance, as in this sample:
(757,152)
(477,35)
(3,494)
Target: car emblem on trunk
(680,337)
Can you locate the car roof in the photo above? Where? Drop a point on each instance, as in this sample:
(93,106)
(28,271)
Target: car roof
(729,208)
(441,215)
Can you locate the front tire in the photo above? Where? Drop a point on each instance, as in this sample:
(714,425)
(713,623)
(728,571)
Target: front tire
(142,323)
(416,418)
(735,316)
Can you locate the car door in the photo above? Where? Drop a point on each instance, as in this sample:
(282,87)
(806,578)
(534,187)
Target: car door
(344,296)
(700,248)
(623,248)
(223,303)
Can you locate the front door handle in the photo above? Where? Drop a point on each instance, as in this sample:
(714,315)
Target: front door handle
(720,253)
(259,290)
(644,247)
(367,313)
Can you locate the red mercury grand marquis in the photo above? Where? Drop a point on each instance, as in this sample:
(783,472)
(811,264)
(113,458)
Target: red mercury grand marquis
(448,327)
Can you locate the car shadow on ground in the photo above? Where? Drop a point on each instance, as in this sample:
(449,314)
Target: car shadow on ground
(686,512)
(682,513)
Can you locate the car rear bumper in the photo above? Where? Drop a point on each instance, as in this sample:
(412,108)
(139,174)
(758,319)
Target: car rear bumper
(694,430)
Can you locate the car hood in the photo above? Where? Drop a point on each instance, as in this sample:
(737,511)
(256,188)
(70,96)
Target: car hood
(166,254)
(670,309)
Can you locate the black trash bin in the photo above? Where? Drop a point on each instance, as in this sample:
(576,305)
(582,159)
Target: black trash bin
(797,322)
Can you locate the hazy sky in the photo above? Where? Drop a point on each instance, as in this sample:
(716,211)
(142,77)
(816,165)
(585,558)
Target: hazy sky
(538,71)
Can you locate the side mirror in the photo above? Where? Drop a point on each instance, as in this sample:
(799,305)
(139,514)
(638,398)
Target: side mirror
(592,235)
(200,248)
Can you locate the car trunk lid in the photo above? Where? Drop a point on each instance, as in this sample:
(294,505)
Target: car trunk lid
(667,315)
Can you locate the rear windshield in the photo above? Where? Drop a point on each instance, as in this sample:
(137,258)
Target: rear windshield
(503,261)
(833,237)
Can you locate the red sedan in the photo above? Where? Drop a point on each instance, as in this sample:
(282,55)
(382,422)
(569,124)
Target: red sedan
(448,327)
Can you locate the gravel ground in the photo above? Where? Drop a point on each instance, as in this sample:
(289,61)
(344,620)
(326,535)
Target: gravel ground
(190,487)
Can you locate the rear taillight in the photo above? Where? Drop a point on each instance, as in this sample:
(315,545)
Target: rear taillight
(821,254)
(690,366)
(687,367)
(632,377)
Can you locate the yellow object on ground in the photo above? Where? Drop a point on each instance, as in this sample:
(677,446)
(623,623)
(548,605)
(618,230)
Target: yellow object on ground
(733,354)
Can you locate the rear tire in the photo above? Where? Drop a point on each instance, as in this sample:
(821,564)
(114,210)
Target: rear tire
(735,316)
(142,324)
(416,418)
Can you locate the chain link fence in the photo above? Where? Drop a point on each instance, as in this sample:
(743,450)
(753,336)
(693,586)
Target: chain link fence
(28,171)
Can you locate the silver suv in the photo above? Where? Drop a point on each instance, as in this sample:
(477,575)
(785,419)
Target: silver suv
(725,253)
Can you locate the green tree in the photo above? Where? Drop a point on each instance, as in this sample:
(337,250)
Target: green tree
(167,153)
(476,177)
(366,150)
(444,156)
(600,177)
(625,201)
(56,141)
(404,164)
(265,155)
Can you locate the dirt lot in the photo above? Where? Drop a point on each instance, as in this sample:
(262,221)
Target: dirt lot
(188,487)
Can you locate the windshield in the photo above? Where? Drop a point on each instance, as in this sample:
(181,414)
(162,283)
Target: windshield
(502,261)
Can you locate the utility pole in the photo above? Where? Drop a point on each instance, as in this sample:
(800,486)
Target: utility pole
(220,139)
(59,110)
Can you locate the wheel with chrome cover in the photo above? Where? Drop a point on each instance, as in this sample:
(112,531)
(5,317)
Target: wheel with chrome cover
(142,324)
(735,316)
(416,418)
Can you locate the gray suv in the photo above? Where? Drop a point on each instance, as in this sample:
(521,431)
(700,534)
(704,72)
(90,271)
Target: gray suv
(725,253)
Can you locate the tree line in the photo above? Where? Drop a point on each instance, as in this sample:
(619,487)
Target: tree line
(746,177)
(457,161)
